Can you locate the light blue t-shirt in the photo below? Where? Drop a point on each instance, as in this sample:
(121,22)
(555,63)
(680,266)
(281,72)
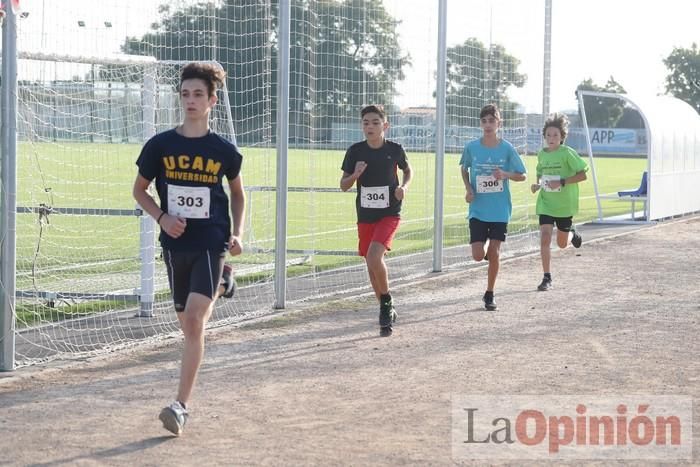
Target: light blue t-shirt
(491,197)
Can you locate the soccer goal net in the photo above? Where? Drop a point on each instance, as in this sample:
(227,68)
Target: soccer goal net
(88,272)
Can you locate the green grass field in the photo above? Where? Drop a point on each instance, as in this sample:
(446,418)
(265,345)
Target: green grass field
(101,176)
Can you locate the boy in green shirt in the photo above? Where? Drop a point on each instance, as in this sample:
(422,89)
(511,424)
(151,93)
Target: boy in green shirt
(559,171)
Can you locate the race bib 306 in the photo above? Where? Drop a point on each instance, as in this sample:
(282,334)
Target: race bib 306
(488,184)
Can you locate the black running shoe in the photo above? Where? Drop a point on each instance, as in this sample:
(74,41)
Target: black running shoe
(228,282)
(546,284)
(387,316)
(576,240)
(489,304)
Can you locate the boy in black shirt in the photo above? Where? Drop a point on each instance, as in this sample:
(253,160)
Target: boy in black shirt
(373,163)
(188,164)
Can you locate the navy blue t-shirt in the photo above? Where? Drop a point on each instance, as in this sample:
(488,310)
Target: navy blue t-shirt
(188,175)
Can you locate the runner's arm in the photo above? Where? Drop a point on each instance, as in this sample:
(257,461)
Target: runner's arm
(576,178)
(237,205)
(465,179)
(407,176)
(145,200)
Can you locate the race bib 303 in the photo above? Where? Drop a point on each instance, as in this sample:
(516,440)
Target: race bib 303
(190,202)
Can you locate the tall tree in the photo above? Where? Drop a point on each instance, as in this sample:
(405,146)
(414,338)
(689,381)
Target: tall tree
(477,75)
(602,112)
(237,34)
(343,54)
(683,81)
(354,57)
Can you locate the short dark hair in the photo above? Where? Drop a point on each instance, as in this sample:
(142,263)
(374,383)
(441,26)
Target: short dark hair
(211,74)
(558,121)
(490,109)
(374,109)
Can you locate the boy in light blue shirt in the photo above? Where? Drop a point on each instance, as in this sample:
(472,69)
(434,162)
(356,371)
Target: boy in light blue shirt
(487,165)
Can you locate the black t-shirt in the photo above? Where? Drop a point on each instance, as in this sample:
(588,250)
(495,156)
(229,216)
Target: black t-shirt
(188,174)
(375,187)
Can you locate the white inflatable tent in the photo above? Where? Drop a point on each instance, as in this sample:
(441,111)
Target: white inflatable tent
(673,161)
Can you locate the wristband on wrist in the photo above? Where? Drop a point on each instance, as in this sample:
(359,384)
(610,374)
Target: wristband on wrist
(159,217)
(562,181)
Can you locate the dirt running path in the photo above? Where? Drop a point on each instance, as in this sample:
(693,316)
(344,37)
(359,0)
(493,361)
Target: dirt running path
(319,387)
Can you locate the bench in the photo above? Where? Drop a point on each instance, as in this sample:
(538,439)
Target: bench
(640,194)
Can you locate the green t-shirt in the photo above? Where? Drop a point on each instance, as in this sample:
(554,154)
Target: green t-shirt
(562,163)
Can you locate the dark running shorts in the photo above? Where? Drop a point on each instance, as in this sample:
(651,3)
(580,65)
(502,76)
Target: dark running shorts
(563,223)
(480,231)
(193,271)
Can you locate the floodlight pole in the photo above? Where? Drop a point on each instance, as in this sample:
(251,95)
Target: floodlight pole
(8,191)
(282,154)
(440,110)
(547,69)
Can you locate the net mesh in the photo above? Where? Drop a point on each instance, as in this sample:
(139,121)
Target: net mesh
(83,118)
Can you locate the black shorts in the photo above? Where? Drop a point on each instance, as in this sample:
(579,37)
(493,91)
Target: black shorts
(193,271)
(480,231)
(563,223)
